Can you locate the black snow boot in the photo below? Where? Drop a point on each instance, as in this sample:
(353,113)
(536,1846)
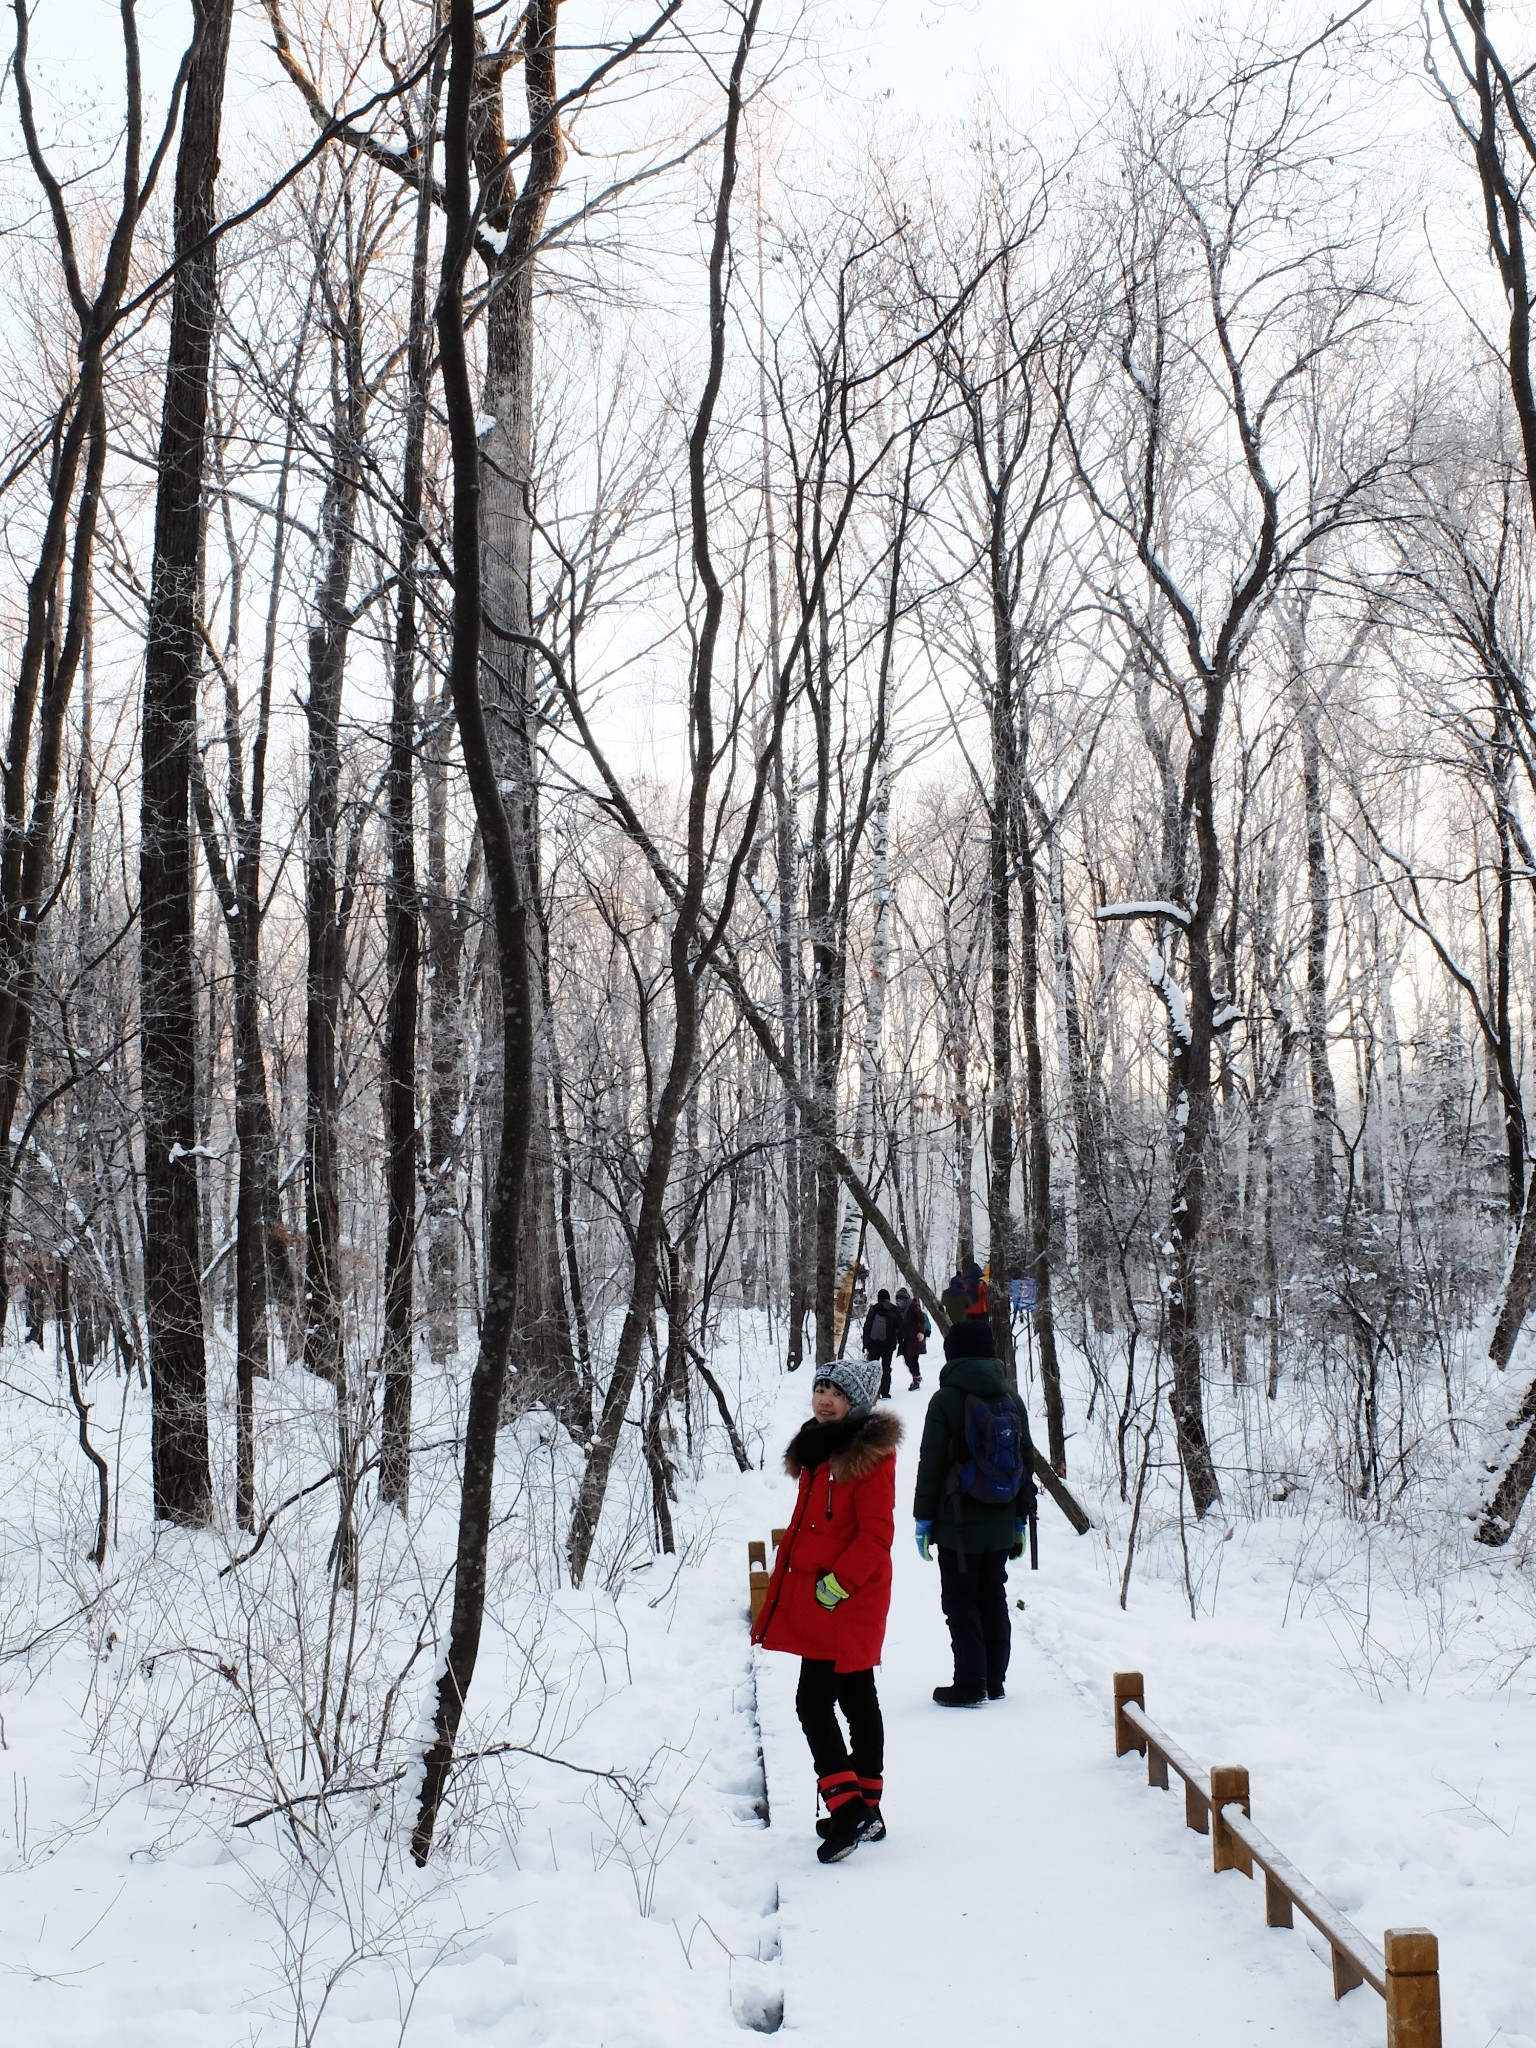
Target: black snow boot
(851,1823)
(874,1833)
(995,1692)
(959,1695)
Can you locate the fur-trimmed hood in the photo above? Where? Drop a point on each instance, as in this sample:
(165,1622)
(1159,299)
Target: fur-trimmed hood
(872,1437)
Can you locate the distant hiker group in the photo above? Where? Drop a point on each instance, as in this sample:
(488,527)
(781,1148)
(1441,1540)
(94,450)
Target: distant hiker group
(896,1326)
(830,1593)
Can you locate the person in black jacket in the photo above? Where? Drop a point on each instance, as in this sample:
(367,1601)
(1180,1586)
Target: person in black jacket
(915,1331)
(882,1333)
(973,1538)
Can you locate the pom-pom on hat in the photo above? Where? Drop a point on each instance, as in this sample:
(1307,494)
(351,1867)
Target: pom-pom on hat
(857,1378)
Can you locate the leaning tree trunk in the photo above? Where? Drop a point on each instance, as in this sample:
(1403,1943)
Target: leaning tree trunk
(172,663)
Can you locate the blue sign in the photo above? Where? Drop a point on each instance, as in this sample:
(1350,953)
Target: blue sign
(1023,1295)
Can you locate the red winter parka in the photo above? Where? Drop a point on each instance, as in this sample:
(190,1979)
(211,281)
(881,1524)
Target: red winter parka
(843,1523)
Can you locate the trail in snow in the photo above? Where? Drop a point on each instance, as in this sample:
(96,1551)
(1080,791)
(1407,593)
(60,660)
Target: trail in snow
(1030,1883)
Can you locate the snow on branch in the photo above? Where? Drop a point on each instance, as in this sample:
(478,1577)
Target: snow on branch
(1108,913)
(1155,966)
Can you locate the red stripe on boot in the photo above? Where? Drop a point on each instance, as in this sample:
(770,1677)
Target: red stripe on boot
(871,1788)
(838,1789)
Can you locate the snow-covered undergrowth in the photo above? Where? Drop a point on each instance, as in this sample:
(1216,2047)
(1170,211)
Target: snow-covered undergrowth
(208,1765)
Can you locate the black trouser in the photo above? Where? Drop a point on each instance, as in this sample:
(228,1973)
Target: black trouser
(974,1590)
(821,1691)
(885,1358)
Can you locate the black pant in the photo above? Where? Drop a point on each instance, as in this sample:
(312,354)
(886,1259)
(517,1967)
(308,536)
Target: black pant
(821,1691)
(974,1590)
(884,1358)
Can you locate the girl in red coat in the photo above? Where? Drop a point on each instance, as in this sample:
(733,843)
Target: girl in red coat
(831,1592)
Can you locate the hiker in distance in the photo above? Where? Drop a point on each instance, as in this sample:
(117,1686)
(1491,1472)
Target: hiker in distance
(975,1492)
(831,1591)
(915,1331)
(882,1333)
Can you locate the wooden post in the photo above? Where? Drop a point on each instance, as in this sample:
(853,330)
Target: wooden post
(1197,1814)
(1346,1974)
(1229,1786)
(1277,1903)
(758,1581)
(1157,1767)
(778,1537)
(1129,1691)
(757,1556)
(1413,1987)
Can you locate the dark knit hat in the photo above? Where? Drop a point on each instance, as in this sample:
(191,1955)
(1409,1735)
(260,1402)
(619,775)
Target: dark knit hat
(971,1337)
(857,1378)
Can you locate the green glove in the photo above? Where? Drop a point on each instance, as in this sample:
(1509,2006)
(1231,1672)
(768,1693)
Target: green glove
(829,1592)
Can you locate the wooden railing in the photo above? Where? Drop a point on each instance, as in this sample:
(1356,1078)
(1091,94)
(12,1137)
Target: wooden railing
(1405,1970)
(758,1574)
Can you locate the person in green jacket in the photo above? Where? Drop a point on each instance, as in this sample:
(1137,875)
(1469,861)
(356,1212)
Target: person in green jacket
(975,1447)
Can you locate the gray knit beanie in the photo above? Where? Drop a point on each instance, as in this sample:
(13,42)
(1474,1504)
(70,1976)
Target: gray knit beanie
(858,1378)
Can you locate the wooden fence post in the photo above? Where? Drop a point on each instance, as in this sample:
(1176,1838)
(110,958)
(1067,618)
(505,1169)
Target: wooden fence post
(1229,1786)
(1413,1987)
(778,1537)
(757,1576)
(1129,1691)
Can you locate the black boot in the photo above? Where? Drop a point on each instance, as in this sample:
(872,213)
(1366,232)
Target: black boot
(876,1832)
(850,1824)
(959,1695)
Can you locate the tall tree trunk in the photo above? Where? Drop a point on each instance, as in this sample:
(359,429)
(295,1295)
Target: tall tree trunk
(786,945)
(172,663)
(402,929)
(509,912)
(1002,1228)
(329,635)
(445,915)
(1040,1218)
(546,1367)
(1192,1118)
(1320,1071)
(862,1143)
(1093,1237)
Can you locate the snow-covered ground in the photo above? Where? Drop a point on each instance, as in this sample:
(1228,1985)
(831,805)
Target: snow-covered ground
(618,1890)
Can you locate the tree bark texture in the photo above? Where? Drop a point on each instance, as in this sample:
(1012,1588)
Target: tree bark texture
(546,1369)
(172,666)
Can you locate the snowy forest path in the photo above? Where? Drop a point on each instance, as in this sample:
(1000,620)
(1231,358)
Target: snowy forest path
(1030,1887)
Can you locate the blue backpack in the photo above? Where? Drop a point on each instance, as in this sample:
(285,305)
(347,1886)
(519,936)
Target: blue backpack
(994,1470)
